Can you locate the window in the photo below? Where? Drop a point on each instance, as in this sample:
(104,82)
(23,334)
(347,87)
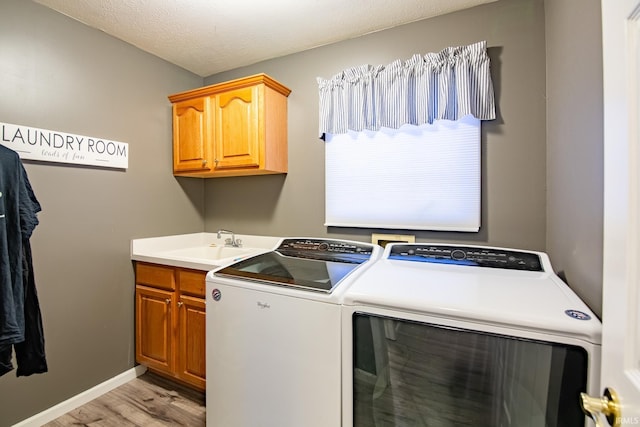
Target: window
(416,177)
(403,141)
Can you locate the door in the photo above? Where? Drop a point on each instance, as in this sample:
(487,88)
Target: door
(154,328)
(237,143)
(620,369)
(191,139)
(192,336)
(414,373)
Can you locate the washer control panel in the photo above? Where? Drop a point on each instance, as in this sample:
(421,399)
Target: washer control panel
(326,250)
(467,256)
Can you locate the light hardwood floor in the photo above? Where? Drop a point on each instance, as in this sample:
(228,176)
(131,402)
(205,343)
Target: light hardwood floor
(147,401)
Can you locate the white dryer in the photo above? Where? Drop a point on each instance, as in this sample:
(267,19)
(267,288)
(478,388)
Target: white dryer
(451,335)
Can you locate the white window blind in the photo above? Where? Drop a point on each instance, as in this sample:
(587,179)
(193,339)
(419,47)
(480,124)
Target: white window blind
(416,177)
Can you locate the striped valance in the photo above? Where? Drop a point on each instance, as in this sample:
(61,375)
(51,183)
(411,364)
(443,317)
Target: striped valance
(448,85)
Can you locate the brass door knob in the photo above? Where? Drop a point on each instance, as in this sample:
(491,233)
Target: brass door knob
(607,405)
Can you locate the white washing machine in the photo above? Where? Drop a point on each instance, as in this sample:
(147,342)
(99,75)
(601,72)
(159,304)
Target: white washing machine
(451,335)
(273,334)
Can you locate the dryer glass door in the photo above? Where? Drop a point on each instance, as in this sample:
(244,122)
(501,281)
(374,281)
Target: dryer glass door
(416,374)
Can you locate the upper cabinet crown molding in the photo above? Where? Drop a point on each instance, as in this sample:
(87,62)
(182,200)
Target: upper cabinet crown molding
(232,128)
(231,84)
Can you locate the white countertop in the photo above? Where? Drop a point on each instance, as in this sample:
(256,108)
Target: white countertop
(200,251)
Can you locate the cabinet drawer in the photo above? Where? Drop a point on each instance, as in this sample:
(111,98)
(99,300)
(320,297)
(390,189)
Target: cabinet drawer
(192,282)
(155,275)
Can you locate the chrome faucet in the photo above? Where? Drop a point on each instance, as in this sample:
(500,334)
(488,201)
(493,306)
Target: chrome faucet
(233,242)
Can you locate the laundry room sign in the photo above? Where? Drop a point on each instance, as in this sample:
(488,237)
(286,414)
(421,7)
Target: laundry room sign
(53,146)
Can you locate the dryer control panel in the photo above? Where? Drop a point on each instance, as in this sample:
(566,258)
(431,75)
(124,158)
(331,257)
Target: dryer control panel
(467,256)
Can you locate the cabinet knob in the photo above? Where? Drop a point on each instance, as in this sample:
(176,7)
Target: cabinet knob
(167,301)
(204,163)
(180,303)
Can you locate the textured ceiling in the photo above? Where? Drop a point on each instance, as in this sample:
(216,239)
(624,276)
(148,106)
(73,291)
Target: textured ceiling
(211,36)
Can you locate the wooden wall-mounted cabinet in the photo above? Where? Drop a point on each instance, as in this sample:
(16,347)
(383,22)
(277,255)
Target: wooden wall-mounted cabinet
(170,322)
(231,129)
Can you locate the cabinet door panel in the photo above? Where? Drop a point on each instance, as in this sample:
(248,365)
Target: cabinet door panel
(191,359)
(236,129)
(154,328)
(190,135)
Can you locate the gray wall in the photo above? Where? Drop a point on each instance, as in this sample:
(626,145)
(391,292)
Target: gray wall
(58,74)
(575,144)
(514,162)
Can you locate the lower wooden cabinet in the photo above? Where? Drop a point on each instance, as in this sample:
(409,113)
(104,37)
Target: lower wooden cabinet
(170,322)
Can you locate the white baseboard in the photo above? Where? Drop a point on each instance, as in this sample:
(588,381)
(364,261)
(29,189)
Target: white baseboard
(82,398)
